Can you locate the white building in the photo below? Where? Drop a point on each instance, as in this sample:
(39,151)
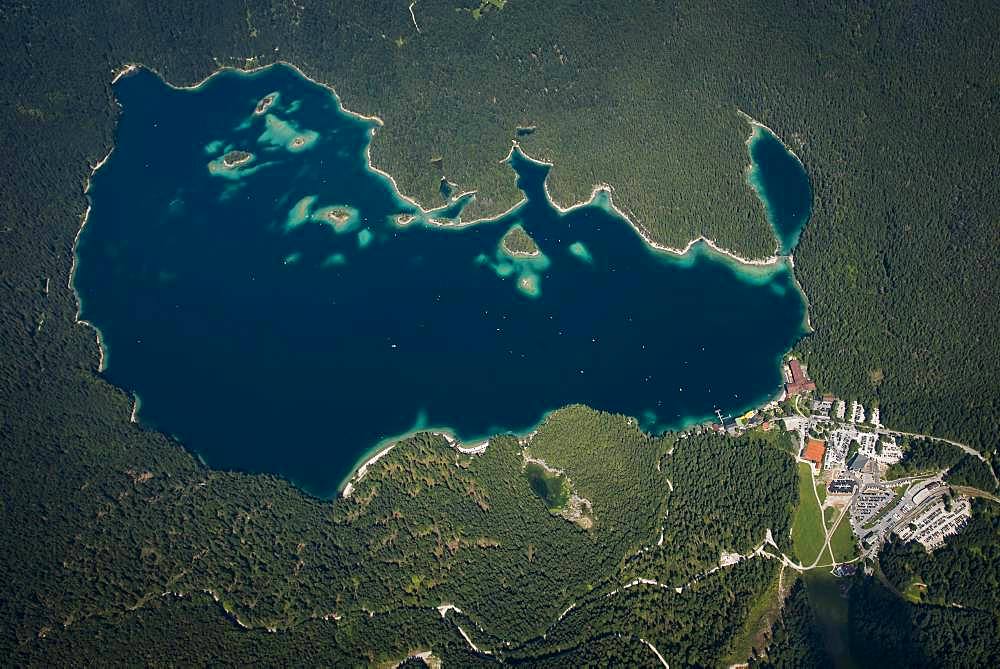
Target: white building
(839,442)
(821,408)
(891,452)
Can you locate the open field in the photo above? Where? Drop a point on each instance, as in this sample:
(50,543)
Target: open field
(842,542)
(807,529)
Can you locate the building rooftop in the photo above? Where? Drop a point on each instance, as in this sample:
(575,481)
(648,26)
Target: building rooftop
(800,382)
(842,486)
(858,462)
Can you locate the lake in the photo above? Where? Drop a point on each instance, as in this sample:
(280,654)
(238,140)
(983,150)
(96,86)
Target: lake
(264,294)
(783,186)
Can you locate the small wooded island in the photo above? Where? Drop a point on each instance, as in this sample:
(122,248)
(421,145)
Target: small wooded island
(265,103)
(235,158)
(518,243)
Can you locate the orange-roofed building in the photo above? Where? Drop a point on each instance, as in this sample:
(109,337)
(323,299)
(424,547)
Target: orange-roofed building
(815,450)
(798,381)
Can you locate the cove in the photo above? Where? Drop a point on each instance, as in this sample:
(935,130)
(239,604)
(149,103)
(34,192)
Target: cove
(279,307)
(781,182)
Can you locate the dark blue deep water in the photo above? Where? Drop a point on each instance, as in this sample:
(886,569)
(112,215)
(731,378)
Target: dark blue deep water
(268,336)
(783,186)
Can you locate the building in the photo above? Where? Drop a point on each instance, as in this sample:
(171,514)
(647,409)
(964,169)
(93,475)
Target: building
(821,408)
(922,492)
(858,463)
(842,486)
(845,570)
(727,422)
(797,379)
(814,451)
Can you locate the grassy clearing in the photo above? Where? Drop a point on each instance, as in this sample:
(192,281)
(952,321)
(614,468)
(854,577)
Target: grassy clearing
(552,487)
(821,492)
(842,542)
(829,515)
(914,592)
(808,535)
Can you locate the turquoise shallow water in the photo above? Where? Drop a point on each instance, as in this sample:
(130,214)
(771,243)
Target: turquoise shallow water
(274,317)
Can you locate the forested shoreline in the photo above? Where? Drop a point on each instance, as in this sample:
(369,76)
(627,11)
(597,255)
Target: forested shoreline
(430,528)
(104,522)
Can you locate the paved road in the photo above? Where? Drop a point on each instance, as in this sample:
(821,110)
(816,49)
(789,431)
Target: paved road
(910,480)
(965,447)
(906,509)
(976,492)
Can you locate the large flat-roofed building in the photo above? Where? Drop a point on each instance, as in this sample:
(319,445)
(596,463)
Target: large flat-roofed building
(858,463)
(842,486)
(797,380)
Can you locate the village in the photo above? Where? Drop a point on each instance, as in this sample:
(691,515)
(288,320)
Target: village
(850,451)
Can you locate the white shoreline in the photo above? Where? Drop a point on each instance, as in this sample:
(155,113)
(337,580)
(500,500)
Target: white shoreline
(123,71)
(98,335)
(775,259)
(771,261)
(757,124)
(480,445)
(521,254)
(358,474)
(478,449)
(363,469)
(136,403)
(791,259)
(609,190)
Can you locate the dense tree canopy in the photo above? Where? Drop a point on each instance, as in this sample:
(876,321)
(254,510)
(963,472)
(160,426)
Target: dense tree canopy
(796,640)
(965,571)
(889,105)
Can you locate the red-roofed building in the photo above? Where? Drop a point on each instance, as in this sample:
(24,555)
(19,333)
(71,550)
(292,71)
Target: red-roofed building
(798,381)
(814,452)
